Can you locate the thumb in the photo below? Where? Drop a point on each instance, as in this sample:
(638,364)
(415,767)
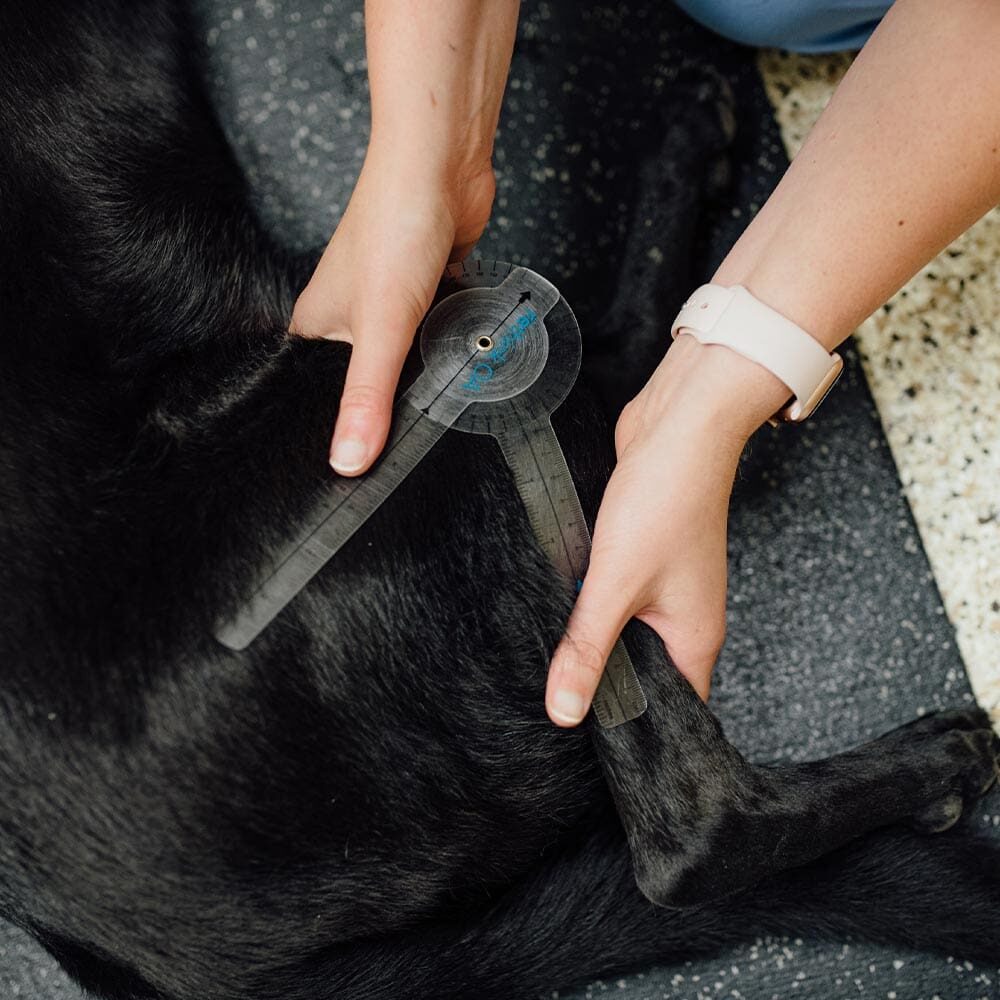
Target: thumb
(366,404)
(597,620)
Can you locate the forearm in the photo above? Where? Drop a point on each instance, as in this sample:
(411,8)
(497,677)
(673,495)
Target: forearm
(437,70)
(905,158)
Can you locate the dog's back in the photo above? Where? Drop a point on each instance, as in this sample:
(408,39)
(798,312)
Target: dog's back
(381,754)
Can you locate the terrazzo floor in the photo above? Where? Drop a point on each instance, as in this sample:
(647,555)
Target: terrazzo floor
(804,673)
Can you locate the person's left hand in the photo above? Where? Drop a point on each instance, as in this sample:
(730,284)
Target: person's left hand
(376,281)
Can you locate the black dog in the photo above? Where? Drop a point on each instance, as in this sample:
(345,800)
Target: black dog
(369,802)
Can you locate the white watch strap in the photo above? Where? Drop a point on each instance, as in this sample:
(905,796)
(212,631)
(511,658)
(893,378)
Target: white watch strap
(735,319)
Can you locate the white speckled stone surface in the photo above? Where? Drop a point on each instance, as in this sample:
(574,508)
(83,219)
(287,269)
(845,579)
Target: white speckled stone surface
(932,359)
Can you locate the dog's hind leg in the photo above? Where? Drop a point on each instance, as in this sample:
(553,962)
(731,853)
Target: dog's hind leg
(702,822)
(579,915)
(894,887)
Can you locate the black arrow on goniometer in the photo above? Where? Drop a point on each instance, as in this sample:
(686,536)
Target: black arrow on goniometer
(525,297)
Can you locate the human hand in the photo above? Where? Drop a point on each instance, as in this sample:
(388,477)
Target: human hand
(659,551)
(376,279)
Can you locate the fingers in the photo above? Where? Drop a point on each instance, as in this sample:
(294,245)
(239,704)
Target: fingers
(682,597)
(578,663)
(659,549)
(366,404)
(600,614)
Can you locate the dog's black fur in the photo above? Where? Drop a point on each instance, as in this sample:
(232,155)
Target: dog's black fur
(369,802)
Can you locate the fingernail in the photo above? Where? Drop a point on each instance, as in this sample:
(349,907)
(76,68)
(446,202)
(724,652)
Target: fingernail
(568,706)
(348,455)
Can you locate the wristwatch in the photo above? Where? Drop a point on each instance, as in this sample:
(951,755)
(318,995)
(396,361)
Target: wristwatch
(736,319)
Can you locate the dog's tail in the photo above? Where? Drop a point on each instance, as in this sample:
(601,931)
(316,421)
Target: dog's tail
(581,916)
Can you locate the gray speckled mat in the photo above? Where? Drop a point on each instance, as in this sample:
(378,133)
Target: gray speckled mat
(836,628)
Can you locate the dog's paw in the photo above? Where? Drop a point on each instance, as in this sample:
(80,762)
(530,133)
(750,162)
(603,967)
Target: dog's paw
(964,762)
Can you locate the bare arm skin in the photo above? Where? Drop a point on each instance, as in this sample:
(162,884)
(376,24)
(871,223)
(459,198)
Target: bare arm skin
(905,157)
(437,70)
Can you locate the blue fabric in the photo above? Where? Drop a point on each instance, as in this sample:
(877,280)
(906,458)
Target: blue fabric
(799,25)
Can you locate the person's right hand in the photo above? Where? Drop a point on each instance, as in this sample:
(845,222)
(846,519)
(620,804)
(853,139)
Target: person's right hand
(377,278)
(659,551)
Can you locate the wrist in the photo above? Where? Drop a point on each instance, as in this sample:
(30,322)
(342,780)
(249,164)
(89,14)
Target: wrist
(718,388)
(461,197)
(809,302)
(431,153)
